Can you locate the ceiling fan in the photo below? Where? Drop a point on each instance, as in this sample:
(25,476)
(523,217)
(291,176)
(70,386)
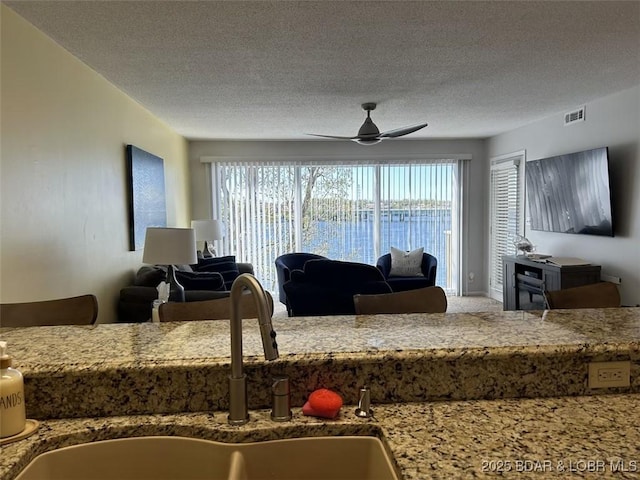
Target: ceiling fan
(369,133)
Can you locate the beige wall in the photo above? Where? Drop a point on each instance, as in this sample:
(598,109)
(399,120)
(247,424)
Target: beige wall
(64,222)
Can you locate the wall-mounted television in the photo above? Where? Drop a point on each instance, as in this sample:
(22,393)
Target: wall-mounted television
(570,193)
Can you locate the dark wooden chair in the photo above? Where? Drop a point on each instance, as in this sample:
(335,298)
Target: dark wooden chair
(216,309)
(420,300)
(594,295)
(81,310)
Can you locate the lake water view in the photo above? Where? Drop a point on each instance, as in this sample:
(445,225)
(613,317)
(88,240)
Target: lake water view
(354,241)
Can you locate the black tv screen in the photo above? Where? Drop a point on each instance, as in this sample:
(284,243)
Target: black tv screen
(570,193)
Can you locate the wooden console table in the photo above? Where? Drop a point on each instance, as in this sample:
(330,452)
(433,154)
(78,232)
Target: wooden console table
(524,281)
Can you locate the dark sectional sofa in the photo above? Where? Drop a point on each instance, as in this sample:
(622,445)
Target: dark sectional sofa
(209,279)
(327,287)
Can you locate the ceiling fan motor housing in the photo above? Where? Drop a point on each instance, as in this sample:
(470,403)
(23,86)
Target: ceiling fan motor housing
(368,129)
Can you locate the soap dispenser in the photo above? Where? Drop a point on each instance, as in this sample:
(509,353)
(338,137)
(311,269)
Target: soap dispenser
(12,411)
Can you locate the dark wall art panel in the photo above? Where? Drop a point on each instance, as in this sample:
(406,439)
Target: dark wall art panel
(147,203)
(570,193)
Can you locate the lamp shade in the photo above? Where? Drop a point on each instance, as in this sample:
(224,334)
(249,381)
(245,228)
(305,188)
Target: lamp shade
(170,246)
(207,230)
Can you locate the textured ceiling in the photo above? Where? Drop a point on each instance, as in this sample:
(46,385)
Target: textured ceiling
(278,70)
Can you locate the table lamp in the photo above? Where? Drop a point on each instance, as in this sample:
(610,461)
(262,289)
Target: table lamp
(170,246)
(208,231)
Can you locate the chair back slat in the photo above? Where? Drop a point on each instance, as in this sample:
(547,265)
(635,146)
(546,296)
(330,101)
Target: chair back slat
(595,295)
(420,300)
(217,309)
(80,310)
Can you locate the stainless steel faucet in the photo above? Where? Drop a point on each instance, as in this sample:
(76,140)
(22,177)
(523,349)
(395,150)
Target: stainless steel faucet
(238,409)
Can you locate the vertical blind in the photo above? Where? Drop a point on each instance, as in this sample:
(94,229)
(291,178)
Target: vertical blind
(419,207)
(351,212)
(259,206)
(505,215)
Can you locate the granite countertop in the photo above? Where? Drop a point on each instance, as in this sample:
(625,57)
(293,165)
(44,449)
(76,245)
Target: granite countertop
(71,371)
(515,385)
(566,437)
(52,349)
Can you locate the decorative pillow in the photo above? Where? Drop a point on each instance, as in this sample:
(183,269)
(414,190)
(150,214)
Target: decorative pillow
(200,280)
(226,266)
(406,264)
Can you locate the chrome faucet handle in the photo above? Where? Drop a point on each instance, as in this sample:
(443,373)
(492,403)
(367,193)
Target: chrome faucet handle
(281,399)
(364,404)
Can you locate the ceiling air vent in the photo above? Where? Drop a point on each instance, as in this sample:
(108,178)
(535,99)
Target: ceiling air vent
(573,117)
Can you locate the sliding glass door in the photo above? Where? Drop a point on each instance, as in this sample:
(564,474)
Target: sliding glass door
(352,212)
(419,207)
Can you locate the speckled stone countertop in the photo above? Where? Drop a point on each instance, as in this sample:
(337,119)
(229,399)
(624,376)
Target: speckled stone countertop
(46,349)
(515,385)
(41,348)
(569,437)
(131,369)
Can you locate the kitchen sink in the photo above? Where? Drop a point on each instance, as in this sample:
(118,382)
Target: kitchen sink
(181,458)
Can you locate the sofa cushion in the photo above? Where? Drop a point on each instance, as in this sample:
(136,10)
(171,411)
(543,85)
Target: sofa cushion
(139,294)
(226,266)
(297,276)
(306,299)
(200,280)
(339,273)
(400,284)
(150,276)
(406,264)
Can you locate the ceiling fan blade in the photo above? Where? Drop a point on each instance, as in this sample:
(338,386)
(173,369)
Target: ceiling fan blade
(331,136)
(398,132)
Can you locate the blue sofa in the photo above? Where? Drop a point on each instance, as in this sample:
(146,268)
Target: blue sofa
(400,284)
(327,287)
(288,262)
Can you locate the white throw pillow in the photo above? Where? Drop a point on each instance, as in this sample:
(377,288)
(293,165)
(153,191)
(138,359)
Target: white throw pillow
(406,264)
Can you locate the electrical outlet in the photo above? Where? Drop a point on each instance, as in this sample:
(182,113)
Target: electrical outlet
(609,374)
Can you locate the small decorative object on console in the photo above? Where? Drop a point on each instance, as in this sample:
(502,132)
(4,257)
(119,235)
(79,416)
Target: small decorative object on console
(538,257)
(523,245)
